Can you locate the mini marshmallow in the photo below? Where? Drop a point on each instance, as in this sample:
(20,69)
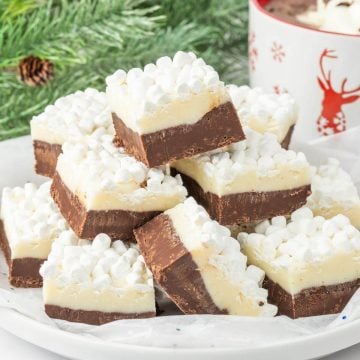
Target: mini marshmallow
(327,178)
(262,226)
(302,213)
(168,81)
(255,274)
(279,221)
(112,170)
(224,251)
(101,242)
(330,16)
(101,265)
(102,282)
(30,215)
(264,112)
(73,116)
(304,239)
(259,153)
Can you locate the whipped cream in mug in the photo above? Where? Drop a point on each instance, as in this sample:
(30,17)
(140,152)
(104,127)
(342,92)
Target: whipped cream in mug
(335,15)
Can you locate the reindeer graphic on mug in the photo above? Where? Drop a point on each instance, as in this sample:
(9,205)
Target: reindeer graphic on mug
(332,118)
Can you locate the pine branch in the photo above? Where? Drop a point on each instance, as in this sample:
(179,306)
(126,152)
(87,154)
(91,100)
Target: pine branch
(67,34)
(10,9)
(136,53)
(89,39)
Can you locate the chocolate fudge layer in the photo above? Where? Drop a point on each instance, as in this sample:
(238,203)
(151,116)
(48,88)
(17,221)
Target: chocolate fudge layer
(86,224)
(22,272)
(46,156)
(91,317)
(110,280)
(172,109)
(217,128)
(247,207)
(30,221)
(315,301)
(199,266)
(286,142)
(312,264)
(100,188)
(117,141)
(289,9)
(173,267)
(248,181)
(72,116)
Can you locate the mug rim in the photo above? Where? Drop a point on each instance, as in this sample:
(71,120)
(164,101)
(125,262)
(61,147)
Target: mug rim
(261,9)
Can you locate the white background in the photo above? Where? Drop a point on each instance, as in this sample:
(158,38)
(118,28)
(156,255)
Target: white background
(12,348)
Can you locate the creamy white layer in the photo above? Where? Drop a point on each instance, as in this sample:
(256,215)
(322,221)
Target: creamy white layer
(172,92)
(72,116)
(31,220)
(334,192)
(335,15)
(353,212)
(106,178)
(255,164)
(306,251)
(78,297)
(304,276)
(97,276)
(264,112)
(231,285)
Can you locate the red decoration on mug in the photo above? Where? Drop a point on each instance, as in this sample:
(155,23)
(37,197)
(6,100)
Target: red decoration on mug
(279,90)
(253,52)
(332,119)
(278,52)
(263,2)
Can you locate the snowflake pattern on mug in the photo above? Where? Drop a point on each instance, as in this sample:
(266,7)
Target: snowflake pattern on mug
(278,89)
(278,53)
(253,51)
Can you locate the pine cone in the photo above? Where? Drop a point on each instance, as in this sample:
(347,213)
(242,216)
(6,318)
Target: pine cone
(34,71)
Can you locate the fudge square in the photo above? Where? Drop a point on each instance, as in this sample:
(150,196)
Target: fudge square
(96,283)
(312,265)
(173,109)
(199,266)
(265,112)
(74,115)
(248,181)
(101,189)
(334,192)
(30,222)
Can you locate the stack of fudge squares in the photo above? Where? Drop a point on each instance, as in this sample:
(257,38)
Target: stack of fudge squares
(173,181)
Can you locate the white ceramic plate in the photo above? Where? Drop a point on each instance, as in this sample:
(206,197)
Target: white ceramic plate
(16,167)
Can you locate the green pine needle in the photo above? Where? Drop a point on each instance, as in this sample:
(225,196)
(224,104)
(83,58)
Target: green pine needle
(89,39)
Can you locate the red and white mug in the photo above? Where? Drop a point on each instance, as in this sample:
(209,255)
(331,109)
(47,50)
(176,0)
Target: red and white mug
(320,69)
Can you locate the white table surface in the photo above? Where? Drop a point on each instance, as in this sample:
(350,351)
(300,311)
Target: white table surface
(12,348)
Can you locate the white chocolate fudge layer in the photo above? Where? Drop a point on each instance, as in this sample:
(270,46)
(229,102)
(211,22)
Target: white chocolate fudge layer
(31,220)
(72,116)
(231,285)
(333,192)
(264,112)
(106,178)
(172,92)
(335,15)
(306,251)
(98,276)
(255,164)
